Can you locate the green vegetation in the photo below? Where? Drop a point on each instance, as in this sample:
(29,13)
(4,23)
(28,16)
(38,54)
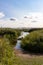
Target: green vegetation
(33,42)
(7,56)
(10,34)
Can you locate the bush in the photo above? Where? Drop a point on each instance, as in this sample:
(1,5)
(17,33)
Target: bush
(7,56)
(10,34)
(12,37)
(33,42)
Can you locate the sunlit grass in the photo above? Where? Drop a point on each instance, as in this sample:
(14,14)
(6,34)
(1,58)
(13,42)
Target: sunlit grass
(30,61)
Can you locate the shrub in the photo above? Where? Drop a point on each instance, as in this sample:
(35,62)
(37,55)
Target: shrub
(33,42)
(12,37)
(10,34)
(7,56)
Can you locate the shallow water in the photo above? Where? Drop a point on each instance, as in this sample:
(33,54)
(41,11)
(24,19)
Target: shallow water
(18,44)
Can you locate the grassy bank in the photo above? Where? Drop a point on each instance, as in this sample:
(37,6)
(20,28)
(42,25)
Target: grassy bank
(8,56)
(7,53)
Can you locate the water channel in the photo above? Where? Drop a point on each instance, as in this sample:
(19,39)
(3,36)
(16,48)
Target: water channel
(18,44)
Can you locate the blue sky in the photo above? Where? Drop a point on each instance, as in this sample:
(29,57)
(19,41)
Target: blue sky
(20,8)
(17,9)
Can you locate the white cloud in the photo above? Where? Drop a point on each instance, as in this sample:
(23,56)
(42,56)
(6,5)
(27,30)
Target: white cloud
(35,22)
(2,14)
(35,15)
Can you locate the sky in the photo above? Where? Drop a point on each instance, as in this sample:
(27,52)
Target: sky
(19,9)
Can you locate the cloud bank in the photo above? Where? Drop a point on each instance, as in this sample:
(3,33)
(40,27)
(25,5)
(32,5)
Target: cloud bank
(32,20)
